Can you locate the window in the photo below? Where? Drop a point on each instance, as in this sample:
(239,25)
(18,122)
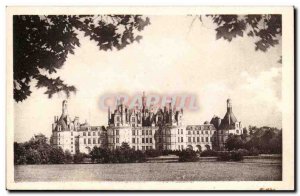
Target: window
(206,139)
(117,140)
(181,139)
(94,141)
(133,147)
(178,147)
(178,139)
(133,132)
(146,140)
(198,139)
(189,139)
(143,147)
(71,142)
(150,140)
(150,147)
(143,140)
(117,132)
(89,141)
(193,132)
(178,131)
(89,133)
(94,133)
(146,132)
(193,139)
(133,140)
(150,132)
(99,140)
(137,140)
(84,134)
(147,147)
(118,118)
(181,131)
(71,138)
(143,132)
(71,133)
(237,131)
(118,124)
(197,132)
(206,132)
(133,125)
(189,132)
(202,139)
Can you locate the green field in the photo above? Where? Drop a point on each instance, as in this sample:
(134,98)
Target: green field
(194,171)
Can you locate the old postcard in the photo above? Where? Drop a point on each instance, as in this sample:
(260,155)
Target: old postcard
(150,98)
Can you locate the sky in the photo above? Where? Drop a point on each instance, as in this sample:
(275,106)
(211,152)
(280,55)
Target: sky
(174,56)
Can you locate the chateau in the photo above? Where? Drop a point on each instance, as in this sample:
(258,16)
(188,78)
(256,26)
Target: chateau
(143,128)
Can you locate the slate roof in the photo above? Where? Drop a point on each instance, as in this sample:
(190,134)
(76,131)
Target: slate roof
(228,122)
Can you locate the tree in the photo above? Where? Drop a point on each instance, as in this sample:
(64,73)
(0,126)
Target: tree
(41,45)
(19,154)
(265,29)
(68,157)
(56,156)
(79,157)
(233,142)
(125,146)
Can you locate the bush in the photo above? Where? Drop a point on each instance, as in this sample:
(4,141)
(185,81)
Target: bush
(68,157)
(230,156)
(153,153)
(122,155)
(253,152)
(243,152)
(187,156)
(224,156)
(208,153)
(79,158)
(236,156)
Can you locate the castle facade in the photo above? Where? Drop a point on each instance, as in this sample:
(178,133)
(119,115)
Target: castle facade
(144,128)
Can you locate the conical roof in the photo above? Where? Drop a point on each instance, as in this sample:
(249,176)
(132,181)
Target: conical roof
(229,120)
(62,122)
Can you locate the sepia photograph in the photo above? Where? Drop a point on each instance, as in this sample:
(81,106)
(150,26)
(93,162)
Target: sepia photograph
(153,98)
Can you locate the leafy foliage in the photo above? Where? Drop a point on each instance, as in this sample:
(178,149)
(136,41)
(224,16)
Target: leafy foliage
(230,156)
(265,29)
(41,45)
(122,155)
(208,153)
(38,151)
(266,140)
(187,155)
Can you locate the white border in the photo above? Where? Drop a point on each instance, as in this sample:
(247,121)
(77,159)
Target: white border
(287,96)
